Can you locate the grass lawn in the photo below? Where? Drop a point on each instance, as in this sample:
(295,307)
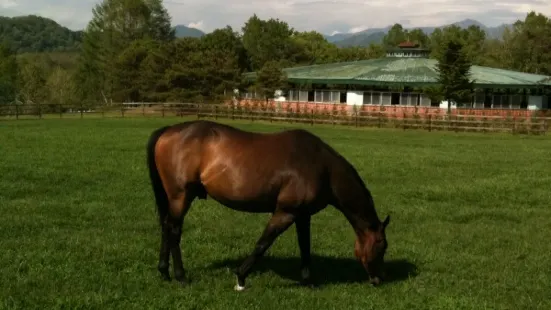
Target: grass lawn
(470,228)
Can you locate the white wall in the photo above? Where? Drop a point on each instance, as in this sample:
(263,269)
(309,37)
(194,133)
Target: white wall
(444,104)
(535,102)
(278,95)
(354,97)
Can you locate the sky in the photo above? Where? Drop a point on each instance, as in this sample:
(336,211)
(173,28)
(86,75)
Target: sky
(326,16)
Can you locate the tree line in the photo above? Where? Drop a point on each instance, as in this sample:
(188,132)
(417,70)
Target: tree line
(129,52)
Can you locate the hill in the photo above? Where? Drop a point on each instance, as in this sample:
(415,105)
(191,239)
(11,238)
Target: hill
(36,34)
(375,35)
(184,31)
(33,33)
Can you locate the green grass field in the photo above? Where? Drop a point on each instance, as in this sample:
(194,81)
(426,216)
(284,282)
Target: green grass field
(470,228)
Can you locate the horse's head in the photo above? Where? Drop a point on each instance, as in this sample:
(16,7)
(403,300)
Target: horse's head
(370,248)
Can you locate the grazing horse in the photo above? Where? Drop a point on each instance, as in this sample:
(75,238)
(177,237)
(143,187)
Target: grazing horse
(292,174)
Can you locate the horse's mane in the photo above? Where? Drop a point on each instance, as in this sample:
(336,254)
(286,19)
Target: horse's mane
(371,215)
(346,163)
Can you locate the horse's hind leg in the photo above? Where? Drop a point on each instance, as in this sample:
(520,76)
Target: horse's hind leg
(302,225)
(279,222)
(164,252)
(178,208)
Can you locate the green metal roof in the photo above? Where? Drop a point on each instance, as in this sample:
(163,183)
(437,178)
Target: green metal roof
(390,71)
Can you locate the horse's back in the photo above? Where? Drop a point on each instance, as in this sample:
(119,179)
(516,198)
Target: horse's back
(243,169)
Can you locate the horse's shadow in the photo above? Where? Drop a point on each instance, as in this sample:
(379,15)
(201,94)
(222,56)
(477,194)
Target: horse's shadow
(325,270)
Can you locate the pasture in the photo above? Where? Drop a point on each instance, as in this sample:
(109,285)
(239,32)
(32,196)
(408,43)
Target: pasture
(470,228)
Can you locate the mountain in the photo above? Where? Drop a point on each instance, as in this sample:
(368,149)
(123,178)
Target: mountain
(375,35)
(184,31)
(363,40)
(33,33)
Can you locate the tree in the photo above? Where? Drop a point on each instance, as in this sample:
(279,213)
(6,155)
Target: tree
(153,83)
(355,53)
(268,41)
(225,59)
(527,44)
(8,76)
(454,74)
(313,48)
(418,36)
(32,82)
(472,40)
(60,87)
(128,71)
(115,25)
(185,74)
(270,78)
(396,35)
(159,28)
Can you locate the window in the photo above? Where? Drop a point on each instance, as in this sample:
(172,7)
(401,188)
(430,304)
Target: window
(367,98)
(516,101)
(293,95)
(385,98)
(479,100)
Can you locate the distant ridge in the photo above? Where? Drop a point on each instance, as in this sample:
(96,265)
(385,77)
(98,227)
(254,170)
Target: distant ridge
(375,35)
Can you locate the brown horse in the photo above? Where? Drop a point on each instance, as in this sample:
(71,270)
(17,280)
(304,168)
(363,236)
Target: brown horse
(292,174)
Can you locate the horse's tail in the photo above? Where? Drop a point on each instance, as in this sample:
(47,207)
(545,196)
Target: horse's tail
(161,197)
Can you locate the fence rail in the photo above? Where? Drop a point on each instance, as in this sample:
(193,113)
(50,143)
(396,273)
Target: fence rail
(429,122)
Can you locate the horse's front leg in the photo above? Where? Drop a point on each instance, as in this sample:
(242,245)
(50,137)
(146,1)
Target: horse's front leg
(279,222)
(302,224)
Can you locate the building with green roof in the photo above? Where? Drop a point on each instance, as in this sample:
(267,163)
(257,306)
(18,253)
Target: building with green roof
(391,80)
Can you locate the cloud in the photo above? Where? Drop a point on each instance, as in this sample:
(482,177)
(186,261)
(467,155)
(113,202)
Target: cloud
(7,4)
(326,16)
(357,29)
(198,25)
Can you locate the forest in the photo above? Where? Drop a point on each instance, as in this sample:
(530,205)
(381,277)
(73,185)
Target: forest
(137,56)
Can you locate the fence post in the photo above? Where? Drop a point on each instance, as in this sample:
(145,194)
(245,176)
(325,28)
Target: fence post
(455,123)
(60,111)
(404,120)
(122,110)
(81,110)
(430,122)
(143,109)
(39,111)
(216,112)
(163,109)
(380,119)
(16,111)
(514,125)
(312,117)
(356,117)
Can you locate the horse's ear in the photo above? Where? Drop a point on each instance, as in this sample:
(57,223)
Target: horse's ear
(386,221)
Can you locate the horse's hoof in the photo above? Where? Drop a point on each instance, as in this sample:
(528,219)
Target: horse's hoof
(307,283)
(375,281)
(183,281)
(238,287)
